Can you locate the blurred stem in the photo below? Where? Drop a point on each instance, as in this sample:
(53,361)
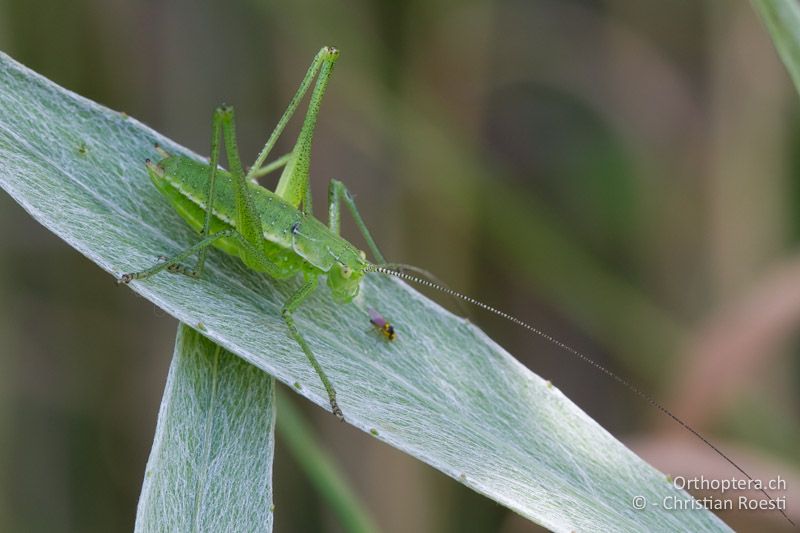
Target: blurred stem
(295,431)
(8,334)
(745,187)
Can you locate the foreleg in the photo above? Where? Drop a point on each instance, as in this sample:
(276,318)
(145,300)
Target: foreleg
(338,192)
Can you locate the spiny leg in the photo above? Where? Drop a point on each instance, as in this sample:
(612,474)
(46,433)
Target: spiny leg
(269,167)
(248,223)
(167,263)
(291,305)
(319,59)
(216,123)
(293,183)
(262,261)
(337,192)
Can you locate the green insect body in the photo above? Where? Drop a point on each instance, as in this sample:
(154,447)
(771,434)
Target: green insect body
(271,232)
(293,241)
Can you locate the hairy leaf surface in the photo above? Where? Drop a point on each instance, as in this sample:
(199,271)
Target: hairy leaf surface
(443,391)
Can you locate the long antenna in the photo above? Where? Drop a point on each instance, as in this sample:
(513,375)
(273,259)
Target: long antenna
(402,267)
(649,399)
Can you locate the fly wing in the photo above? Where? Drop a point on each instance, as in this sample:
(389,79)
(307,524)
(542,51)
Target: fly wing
(376,318)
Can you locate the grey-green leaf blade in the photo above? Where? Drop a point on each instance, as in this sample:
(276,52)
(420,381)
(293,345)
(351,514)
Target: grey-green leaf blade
(210,468)
(442,391)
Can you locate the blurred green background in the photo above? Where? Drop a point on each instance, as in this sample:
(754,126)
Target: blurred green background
(624,174)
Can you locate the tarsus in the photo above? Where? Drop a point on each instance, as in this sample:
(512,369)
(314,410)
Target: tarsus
(649,399)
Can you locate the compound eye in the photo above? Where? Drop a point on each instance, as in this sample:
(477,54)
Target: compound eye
(346,271)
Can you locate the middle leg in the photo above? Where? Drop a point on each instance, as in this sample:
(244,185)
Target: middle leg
(338,192)
(288,309)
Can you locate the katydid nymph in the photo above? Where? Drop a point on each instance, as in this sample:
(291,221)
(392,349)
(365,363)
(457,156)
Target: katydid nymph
(271,232)
(277,234)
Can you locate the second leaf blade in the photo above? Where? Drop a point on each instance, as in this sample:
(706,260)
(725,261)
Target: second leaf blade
(210,468)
